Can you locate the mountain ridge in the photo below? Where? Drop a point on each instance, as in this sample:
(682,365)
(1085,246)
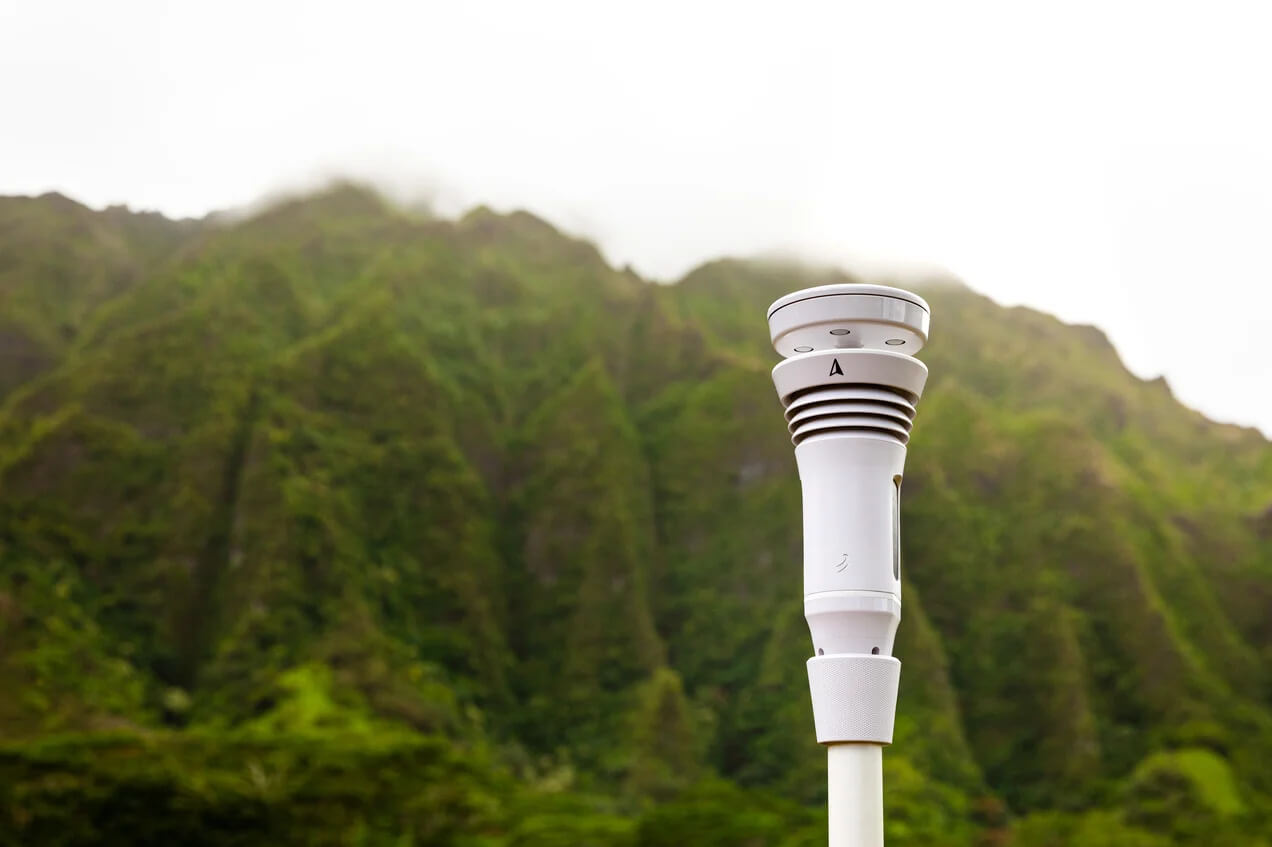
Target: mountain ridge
(339,470)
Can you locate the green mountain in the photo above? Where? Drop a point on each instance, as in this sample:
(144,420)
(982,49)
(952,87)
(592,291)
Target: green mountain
(345,524)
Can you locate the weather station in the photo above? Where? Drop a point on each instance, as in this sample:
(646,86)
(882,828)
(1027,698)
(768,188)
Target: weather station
(849,383)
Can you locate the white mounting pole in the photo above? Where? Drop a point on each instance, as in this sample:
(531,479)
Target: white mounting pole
(854,776)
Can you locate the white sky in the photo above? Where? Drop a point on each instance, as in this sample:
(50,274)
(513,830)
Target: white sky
(1110,163)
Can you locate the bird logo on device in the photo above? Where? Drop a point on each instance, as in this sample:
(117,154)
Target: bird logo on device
(843,564)
(835,370)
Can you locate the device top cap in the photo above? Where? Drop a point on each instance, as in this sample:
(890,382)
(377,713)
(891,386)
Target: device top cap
(844,317)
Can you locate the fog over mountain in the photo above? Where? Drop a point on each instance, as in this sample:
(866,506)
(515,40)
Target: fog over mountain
(1102,163)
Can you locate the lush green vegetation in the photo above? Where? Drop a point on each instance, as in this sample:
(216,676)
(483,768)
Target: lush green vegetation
(342,524)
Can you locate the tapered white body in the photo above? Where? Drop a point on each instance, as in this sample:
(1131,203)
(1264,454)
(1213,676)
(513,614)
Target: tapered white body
(852,558)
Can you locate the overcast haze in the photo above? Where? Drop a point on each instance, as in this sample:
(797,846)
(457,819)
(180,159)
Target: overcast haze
(1108,163)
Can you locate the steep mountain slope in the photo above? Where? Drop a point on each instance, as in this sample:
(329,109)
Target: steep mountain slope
(338,488)
(59,262)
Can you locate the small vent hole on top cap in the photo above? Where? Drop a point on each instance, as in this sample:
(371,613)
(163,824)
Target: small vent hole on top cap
(805,349)
(893,342)
(840,331)
(874,651)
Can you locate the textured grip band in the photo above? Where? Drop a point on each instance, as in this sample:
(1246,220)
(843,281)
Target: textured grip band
(854,697)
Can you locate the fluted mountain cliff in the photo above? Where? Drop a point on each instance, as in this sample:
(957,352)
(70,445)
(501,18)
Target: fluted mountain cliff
(341,523)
